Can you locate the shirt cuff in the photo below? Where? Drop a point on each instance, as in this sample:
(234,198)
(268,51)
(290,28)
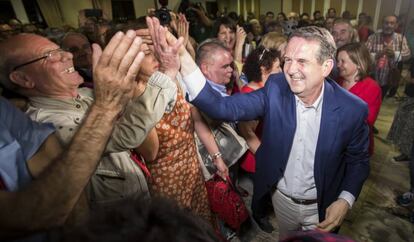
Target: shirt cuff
(347,196)
(194,83)
(159,79)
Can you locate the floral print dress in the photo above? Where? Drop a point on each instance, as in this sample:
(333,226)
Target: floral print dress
(176,172)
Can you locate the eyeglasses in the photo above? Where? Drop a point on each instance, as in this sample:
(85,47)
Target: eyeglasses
(52,55)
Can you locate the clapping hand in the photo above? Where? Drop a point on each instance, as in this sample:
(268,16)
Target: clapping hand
(183,28)
(240,39)
(240,35)
(165,51)
(115,69)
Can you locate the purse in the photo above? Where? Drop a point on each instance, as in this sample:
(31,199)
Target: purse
(226,202)
(231,145)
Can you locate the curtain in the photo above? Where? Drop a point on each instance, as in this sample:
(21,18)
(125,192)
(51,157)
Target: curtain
(51,12)
(106,7)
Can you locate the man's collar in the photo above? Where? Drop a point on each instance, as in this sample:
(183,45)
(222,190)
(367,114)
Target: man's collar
(317,104)
(218,87)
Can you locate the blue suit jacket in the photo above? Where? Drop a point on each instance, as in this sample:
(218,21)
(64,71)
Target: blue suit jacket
(341,157)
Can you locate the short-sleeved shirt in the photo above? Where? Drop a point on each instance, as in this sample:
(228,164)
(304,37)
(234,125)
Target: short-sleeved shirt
(20,138)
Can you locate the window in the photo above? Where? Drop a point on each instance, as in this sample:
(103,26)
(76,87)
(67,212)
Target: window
(33,13)
(6,11)
(122,10)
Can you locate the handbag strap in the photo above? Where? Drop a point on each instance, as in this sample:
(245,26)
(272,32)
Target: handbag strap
(230,182)
(135,157)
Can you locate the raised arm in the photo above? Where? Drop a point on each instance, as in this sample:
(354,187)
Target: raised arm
(183,29)
(142,113)
(238,48)
(48,200)
(147,109)
(238,107)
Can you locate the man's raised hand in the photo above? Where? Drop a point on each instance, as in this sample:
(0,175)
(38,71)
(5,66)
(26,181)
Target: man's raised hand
(165,51)
(115,69)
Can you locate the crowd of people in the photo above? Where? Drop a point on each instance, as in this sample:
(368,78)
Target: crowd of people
(112,115)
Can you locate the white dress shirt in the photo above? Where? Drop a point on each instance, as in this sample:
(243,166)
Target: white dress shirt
(298,180)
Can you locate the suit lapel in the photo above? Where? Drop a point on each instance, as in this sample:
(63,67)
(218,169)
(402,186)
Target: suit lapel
(327,132)
(289,122)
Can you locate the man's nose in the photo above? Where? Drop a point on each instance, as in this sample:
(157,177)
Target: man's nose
(291,67)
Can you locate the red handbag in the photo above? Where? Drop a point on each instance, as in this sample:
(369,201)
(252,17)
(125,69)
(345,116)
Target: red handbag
(226,202)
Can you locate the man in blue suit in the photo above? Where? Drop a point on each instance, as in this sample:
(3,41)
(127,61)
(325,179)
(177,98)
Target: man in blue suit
(314,152)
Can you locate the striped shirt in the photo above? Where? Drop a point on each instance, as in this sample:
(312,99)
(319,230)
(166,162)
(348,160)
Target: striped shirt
(376,45)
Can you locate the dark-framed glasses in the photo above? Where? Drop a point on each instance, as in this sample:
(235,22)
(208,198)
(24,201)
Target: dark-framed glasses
(52,55)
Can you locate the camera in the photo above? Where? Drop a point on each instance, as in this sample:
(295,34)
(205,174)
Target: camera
(191,15)
(163,14)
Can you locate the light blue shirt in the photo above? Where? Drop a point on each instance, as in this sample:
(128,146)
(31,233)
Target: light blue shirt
(20,138)
(218,87)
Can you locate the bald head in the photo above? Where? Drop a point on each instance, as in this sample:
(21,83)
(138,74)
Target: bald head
(215,61)
(14,51)
(207,49)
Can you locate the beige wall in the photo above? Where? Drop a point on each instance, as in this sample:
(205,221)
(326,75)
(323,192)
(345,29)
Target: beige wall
(387,8)
(337,4)
(307,7)
(19,10)
(352,6)
(274,6)
(295,7)
(369,7)
(231,7)
(141,7)
(70,10)
(319,6)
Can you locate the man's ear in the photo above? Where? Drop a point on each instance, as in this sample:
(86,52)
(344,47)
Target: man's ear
(327,67)
(19,78)
(204,68)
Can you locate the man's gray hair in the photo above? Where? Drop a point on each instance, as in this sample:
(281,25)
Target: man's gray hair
(327,46)
(207,49)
